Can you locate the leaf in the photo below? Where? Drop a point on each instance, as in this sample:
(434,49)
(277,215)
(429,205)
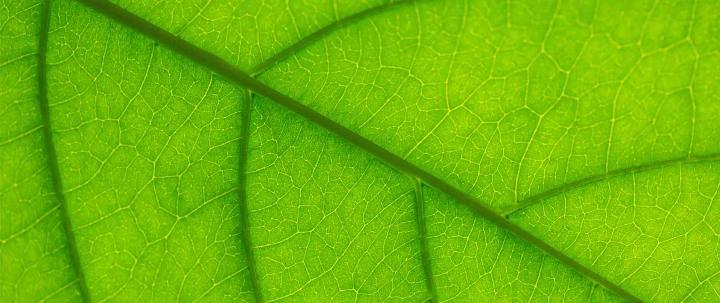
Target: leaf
(359,150)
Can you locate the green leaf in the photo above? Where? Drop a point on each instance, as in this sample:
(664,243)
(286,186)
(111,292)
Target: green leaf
(359,151)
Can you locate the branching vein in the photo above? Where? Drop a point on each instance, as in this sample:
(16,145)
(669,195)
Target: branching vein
(523,204)
(50,150)
(422,234)
(323,32)
(242,192)
(242,78)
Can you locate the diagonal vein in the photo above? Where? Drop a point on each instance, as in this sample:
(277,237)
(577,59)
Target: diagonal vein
(537,198)
(323,32)
(232,73)
(50,150)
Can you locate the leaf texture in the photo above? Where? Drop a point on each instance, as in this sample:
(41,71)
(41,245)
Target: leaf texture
(359,151)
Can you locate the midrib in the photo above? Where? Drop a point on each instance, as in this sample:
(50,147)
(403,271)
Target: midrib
(230,72)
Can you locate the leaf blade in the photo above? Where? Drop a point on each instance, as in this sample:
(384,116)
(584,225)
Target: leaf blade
(532,172)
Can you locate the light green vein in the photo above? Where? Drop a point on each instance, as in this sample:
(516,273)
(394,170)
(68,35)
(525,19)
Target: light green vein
(50,150)
(232,73)
(522,204)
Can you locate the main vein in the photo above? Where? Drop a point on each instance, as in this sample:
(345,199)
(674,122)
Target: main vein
(230,72)
(422,234)
(537,198)
(242,193)
(322,32)
(50,150)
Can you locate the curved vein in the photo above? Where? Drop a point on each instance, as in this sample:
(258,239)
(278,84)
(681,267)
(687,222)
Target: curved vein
(50,151)
(232,73)
(322,32)
(537,198)
(242,193)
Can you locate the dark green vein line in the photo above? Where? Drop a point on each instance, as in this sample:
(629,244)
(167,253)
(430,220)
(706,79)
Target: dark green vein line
(322,32)
(232,73)
(422,234)
(50,150)
(522,204)
(242,195)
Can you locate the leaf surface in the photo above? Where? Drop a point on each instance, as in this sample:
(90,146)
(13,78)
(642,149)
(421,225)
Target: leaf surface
(359,150)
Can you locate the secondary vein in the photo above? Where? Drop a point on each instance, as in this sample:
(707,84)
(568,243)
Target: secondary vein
(422,234)
(50,151)
(232,73)
(532,200)
(322,32)
(242,195)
